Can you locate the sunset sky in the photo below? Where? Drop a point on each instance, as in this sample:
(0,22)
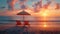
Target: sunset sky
(28,3)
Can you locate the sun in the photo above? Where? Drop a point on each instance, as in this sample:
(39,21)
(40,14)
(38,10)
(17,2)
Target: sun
(44,14)
(45,25)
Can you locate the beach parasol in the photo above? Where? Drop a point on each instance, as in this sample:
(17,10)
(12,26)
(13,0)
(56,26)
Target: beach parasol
(23,13)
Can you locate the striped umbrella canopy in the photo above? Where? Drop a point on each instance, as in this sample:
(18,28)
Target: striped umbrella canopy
(23,13)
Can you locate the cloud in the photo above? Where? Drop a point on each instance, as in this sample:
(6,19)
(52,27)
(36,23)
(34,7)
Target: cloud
(37,5)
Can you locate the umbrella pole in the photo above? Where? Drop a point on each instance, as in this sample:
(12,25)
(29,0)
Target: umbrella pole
(23,18)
